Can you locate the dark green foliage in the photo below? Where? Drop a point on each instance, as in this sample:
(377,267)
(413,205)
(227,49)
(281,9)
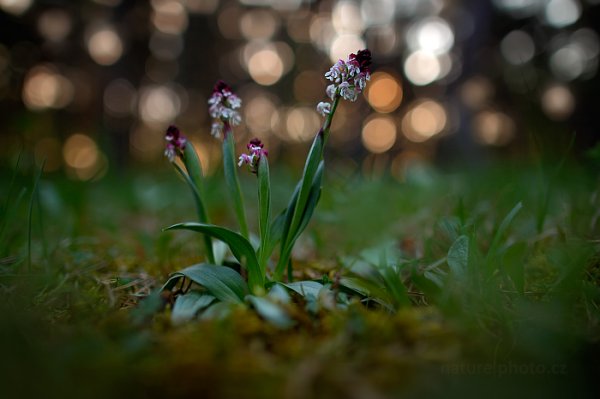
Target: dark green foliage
(453,290)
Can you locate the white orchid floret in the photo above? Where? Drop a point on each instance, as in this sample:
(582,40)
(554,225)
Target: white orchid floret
(324,108)
(216,129)
(246,158)
(331,91)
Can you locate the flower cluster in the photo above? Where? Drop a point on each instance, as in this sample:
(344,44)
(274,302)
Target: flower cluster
(255,153)
(348,78)
(223,104)
(176,142)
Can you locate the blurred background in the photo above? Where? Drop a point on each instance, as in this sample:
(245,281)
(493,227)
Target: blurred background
(90,86)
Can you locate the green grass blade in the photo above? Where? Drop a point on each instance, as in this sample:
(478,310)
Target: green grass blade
(224,283)
(264,204)
(240,247)
(233,182)
(202,216)
(30,213)
(492,251)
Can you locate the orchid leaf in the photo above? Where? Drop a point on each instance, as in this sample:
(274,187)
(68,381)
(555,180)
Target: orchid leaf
(306,289)
(271,311)
(240,247)
(223,283)
(187,306)
(458,257)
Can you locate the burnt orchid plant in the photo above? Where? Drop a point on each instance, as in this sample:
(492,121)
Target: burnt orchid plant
(211,287)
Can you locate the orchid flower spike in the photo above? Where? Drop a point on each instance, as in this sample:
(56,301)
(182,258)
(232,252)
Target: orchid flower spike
(254,155)
(176,143)
(349,78)
(223,104)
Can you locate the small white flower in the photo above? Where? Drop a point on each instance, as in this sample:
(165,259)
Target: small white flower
(331,90)
(324,108)
(216,129)
(234,101)
(348,92)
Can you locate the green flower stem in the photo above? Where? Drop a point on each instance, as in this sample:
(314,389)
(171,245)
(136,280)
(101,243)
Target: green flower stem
(313,160)
(232,180)
(202,216)
(264,204)
(329,120)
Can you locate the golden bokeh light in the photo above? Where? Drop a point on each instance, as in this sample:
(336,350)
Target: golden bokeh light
(384,92)
(45,88)
(82,157)
(425,119)
(558,102)
(258,112)
(379,134)
(347,18)
(493,128)
(105,46)
(432,34)
(15,7)
(422,67)
(344,44)
(169,16)
(54,24)
(321,31)
(159,104)
(302,123)
(265,67)
(259,24)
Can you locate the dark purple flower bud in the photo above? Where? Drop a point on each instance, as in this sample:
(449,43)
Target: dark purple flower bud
(363,57)
(255,153)
(222,88)
(176,142)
